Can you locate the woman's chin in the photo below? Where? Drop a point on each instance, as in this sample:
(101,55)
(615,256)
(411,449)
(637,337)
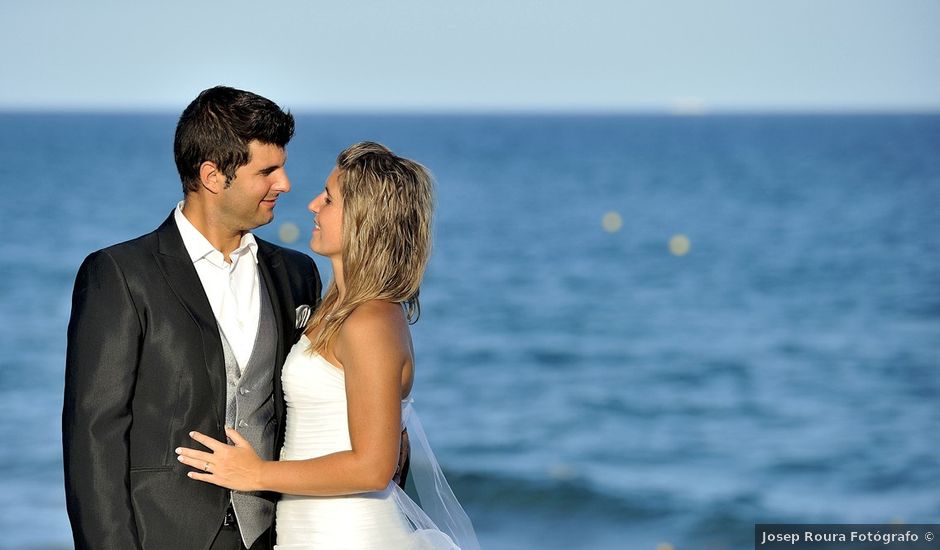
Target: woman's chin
(317,249)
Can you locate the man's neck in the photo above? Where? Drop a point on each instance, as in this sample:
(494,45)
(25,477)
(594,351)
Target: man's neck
(221,238)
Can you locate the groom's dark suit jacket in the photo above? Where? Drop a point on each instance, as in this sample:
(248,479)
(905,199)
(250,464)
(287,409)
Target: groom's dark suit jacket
(144,367)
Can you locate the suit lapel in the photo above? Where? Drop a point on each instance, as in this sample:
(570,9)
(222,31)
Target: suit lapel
(183,280)
(271,268)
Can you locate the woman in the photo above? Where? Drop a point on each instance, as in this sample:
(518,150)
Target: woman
(347,381)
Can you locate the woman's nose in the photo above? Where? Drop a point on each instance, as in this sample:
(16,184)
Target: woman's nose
(314,205)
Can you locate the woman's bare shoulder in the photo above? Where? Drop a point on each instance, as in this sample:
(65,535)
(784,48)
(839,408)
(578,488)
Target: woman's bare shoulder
(376,315)
(376,327)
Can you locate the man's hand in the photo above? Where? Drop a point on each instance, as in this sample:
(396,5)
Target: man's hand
(404,461)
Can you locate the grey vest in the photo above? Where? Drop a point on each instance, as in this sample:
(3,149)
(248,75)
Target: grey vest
(249,408)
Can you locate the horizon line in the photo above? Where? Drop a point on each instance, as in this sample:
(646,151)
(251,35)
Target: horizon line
(502,110)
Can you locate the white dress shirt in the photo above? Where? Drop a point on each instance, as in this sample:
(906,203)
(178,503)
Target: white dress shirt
(232,287)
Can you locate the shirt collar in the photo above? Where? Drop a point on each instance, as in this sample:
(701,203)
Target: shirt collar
(199,247)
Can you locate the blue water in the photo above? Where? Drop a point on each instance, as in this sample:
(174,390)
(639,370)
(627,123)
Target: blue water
(583,388)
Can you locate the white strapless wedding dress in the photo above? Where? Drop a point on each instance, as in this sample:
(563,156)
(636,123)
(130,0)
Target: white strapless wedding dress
(316,425)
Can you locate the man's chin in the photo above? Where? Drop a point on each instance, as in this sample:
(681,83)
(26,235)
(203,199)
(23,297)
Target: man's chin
(265,219)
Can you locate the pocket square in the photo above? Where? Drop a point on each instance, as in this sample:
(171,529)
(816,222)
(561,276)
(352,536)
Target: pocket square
(302,316)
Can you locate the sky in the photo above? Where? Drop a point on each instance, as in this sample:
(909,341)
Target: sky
(481,55)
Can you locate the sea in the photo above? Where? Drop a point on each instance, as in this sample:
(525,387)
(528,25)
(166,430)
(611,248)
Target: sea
(638,331)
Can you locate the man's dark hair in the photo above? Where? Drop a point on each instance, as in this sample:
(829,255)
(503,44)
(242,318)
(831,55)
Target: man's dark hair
(218,126)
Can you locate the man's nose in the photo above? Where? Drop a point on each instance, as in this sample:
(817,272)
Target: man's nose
(283,184)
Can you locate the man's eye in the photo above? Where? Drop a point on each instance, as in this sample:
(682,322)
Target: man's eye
(328,201)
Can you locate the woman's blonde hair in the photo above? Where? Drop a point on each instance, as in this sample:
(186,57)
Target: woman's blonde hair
(388,203)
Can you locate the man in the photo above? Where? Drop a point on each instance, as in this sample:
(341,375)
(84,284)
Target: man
(186,328)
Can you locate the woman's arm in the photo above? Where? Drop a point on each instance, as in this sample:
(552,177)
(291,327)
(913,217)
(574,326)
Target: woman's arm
(372,347)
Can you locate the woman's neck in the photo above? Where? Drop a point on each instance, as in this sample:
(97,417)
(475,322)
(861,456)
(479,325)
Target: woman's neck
(337,264)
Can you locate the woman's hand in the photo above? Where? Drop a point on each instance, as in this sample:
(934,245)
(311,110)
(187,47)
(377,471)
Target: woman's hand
(235,466)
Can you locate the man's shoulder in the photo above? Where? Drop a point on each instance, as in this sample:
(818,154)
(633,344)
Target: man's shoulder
(129,250)
(294,259)
(133,249)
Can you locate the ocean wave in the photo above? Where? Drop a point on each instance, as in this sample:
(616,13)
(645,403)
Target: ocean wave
(550,496)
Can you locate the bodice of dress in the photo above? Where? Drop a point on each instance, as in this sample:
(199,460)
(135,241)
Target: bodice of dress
(315,395)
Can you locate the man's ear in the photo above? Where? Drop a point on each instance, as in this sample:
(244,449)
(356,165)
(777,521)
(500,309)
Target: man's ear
(211,178)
